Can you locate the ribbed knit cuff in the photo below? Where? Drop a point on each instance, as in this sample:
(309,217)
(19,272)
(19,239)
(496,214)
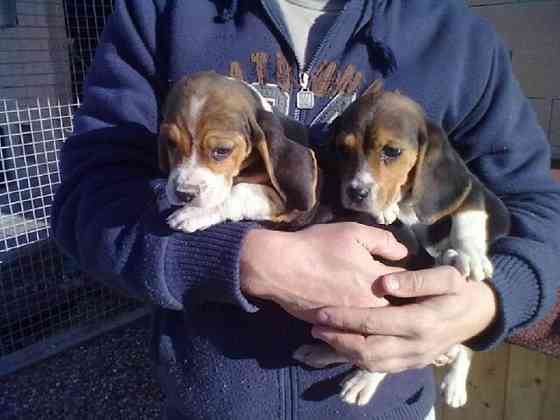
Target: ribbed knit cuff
(205,265)
(518,292)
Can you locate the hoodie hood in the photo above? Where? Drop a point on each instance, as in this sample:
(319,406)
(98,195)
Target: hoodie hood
(380,53)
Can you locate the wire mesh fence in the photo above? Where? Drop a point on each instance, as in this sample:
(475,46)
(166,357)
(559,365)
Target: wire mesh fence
(84,23)
(43,294)
(46,302)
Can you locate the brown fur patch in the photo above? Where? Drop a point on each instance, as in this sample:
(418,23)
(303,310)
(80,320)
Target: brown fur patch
(180,139)
(351,142)
(230,166)
(390,174)
(222,106)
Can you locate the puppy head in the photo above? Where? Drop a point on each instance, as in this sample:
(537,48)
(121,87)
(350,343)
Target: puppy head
(204,138)
(217,131)
(390,155)
(377,144)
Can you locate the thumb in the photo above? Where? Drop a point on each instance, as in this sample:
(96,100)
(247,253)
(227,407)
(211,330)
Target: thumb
(433,281)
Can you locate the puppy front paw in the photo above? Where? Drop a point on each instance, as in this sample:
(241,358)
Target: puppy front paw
(448,357)
(359,386)
(389,215)
(191,219)
(471,263)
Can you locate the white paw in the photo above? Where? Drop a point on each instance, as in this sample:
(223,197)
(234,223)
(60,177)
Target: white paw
(448,357)
(471,263)
(359,386)
(389,215)
(442,360)
(191,219)
(454,391)
(317,355)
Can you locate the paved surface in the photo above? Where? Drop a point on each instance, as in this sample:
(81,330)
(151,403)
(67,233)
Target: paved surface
(108,377)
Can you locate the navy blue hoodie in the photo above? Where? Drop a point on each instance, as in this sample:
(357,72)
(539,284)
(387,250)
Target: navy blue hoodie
(220,356)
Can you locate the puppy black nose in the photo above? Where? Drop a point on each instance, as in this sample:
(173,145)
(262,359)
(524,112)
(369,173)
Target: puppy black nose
(185,196)
(358,193)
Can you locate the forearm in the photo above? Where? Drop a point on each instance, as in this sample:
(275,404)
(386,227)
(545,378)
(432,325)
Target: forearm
(115,228)
(513,160)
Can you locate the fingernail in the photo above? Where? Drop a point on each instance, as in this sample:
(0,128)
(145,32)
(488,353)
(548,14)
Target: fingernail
(391,282)
(323,316)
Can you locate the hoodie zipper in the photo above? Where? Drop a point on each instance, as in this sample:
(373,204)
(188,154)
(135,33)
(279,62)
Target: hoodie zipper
(305,99)
(304,96)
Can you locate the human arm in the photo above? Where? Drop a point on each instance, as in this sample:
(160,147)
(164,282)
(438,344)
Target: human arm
(109,212)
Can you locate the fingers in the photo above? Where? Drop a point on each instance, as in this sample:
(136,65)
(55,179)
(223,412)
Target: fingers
(389,320)
(379,242)
(430,282)
(374,353)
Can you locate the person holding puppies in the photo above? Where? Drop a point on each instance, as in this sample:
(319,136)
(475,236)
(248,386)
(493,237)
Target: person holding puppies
(232,302)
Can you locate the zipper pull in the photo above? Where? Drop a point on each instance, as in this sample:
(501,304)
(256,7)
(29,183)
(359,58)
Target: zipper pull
(305,98)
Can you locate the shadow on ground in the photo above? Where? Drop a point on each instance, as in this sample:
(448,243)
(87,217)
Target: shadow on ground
(108,377)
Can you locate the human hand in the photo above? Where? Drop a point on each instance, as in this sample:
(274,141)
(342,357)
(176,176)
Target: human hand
(323,265)
(396,338)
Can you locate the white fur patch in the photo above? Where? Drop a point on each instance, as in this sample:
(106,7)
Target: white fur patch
(212,188)
(362,177)
(454,385)
(359,386)
(196,105)
(245,202)
(407,215)
(468,245)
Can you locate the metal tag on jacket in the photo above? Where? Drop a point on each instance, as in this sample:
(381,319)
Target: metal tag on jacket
(305,98)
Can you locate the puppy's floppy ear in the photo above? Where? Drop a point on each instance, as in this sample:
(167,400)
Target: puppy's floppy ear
(163,144)
(441,179)
(291,167)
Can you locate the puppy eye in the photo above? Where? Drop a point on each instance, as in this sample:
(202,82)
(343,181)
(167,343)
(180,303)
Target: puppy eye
(220,153)
(389,152)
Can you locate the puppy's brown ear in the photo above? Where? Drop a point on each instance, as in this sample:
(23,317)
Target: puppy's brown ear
(441,179)
(291,167)
(163,149)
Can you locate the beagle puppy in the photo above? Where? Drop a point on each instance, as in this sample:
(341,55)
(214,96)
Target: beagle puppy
(228,157)
(394,164)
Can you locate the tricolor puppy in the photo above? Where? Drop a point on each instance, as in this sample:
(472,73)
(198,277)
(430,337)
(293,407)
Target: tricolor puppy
(396,164)
(229,158)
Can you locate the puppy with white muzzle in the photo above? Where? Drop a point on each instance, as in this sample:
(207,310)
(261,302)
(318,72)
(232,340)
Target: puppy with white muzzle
(393,163)
(228,157)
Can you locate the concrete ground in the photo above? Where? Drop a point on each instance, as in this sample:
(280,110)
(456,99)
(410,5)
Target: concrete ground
(108,377)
